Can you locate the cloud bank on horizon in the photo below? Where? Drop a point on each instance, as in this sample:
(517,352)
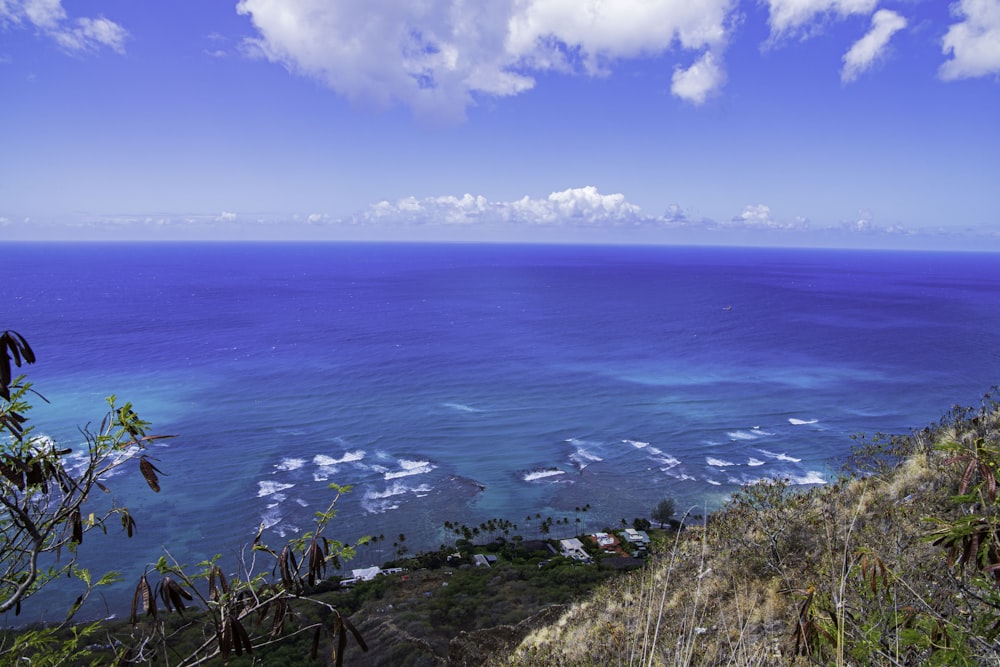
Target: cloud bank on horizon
(593,217)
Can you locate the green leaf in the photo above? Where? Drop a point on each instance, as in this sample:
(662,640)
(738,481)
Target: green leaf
(109,578)
(83,575)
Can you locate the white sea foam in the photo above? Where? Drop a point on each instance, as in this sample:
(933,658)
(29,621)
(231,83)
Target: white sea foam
(269,488)
(749,433)
(397,489)
(799,422)
(408,468)
(713,482)
(581,458)
(638,444)
(811,477)
(753,463)
(379,502)
(379,506)
(327,465)
(780,456)
(272,517)
(78,459)
(290,464)
(461,407)
(348,457)
(666,460)
(719,463)
(535,475)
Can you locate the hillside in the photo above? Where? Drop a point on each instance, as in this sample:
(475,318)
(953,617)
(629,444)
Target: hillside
(897,563)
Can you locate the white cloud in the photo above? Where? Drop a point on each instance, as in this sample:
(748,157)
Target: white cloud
(226,216)
(697,82)
(758,216)
(974,43)
(75,35)
(794,16)
(437,56)
(755,215)
(675,213)
(43,13)
(871,47)
(573,207)
(90,34)
(864,221)
(625,28)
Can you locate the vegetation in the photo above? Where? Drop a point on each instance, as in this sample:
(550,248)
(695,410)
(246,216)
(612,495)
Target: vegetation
(895,563)
(42,513)
(48,506)
(663,512)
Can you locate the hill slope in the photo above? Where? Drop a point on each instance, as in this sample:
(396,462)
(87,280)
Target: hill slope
(897,563)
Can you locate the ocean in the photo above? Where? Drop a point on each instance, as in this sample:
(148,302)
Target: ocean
(469,382)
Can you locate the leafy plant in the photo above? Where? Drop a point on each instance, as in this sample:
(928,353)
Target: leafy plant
(663,512)
(48,506)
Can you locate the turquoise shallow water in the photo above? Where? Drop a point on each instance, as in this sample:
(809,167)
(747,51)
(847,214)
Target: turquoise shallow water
(470,382)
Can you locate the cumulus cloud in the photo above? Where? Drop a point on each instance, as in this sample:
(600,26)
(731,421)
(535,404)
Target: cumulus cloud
(789,17)
(755,215)
(864,221)
(439,56)
(87,34)
(74,35)
(867,50)
(697,82)
(974,42)
(584,206)
(758,216)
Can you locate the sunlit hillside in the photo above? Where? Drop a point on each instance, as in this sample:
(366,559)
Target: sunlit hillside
(896,564)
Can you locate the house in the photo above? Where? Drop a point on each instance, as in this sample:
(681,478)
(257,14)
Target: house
(605,541)
(573,548)
(480,559)
(366,574)
(637,537)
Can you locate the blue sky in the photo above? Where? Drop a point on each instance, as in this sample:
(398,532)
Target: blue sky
(856,123)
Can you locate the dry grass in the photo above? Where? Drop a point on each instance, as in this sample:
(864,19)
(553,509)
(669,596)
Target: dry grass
(839,574)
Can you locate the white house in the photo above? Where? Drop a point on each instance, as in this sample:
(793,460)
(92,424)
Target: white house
(634,536)
(573,548)
(367,573)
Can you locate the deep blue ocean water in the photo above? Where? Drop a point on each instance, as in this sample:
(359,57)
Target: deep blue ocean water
(456,382)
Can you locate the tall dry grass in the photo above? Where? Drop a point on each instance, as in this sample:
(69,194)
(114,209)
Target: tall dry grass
(847,573)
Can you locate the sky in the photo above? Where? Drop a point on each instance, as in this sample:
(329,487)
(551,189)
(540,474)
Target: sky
(831,123)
